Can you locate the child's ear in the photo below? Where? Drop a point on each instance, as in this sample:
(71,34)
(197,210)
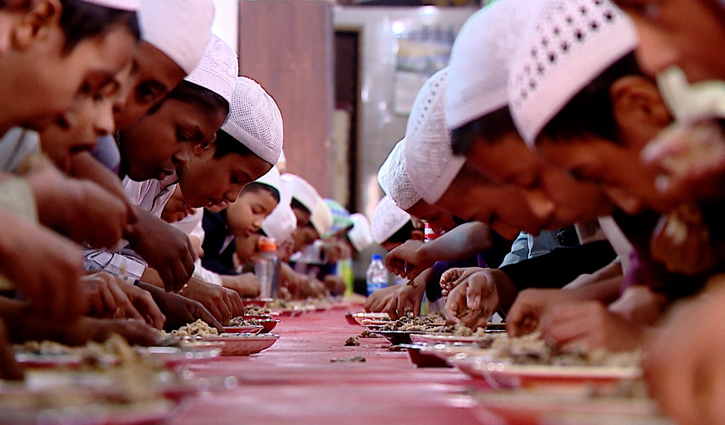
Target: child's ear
(36,23)
(639,111)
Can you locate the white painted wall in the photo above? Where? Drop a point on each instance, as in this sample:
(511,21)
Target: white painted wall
(226,22)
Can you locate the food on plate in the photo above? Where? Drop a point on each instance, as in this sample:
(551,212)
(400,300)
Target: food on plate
(240,321)
(419,324)
(255,310)
(198,328)
(533,350)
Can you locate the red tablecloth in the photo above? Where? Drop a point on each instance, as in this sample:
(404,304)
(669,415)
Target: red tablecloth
(294,382)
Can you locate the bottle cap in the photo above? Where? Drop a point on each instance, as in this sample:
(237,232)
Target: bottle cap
(376,257)
(266,244)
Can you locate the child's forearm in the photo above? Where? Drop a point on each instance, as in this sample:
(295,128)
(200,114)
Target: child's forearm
(464,241)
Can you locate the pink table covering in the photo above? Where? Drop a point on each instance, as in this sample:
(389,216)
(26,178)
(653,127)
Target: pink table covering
(294,382)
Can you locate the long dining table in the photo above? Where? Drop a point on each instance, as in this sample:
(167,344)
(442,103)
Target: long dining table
(297,382)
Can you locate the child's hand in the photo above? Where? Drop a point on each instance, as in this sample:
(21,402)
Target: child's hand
(179,310)
(691,160)
(683,363)
(452,277)
(589,325)
(9,368)
(224,304)
(375,303)
(105,297)
(245,284)
(473,300)
(165,248)
(403,261)
(681,241)
(144,304)
(407,297)
(79,209)
(530,305)
(45,268)
(88,329)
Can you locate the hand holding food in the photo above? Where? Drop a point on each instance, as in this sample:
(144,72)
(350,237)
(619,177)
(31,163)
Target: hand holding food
(452,277)
(404,260)
(588,326)
(221,302)
(165,248)
(473,300)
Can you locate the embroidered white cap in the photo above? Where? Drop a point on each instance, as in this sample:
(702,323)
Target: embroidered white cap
(180,29)
(130,5)
(394,179)
(272,179)
(282,221)
(218,69)
(480,60)
(302,191)
(321,218)
(255,120)
(360,235)
(387,219)
(429,158)
(567,45)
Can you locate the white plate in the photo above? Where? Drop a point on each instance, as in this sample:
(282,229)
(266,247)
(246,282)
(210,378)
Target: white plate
(242,344)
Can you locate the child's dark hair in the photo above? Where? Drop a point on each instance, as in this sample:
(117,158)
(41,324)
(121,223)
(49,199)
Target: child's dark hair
(490,127)
(255,187)
(298,205)
(226,144)
(403,234)
(188,92)
(81,20)
(590,111)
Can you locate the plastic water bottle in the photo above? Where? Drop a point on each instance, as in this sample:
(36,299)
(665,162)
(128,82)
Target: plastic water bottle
(267,268)
(377,275)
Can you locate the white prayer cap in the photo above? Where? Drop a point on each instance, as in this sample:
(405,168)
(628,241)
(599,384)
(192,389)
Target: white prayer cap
(218,69)
(272,179)
(321,218)
(254,119)
(480,60)
(568,44)
(130,5)
(282,221)
(360,235)
(387,219)
(394,179)
(180,29)
(429,158)
(302,191)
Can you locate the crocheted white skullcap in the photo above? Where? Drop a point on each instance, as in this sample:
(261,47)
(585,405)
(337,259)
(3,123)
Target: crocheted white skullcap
(180,29)
(130,5)
(567,45)
(321,218)
(254,120)
(302,191)
(394,179)
(387,219)
(218,69)
(429,158)
(282,221)
(480,60)
(272,179)
(360,235)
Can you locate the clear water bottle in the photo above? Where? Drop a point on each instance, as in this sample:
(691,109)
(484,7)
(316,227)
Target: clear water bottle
(377,274)
(267,268)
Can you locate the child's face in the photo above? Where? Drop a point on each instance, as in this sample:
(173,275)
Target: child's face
(304,237)
(45,81)
(574,201)
(157,144)
(686,33)
(440,221)
(617,169)
(207,180)
(303,217)
(78,129)
(247,249)
(154,76)
(176,208)
(503,207)
(245,216)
